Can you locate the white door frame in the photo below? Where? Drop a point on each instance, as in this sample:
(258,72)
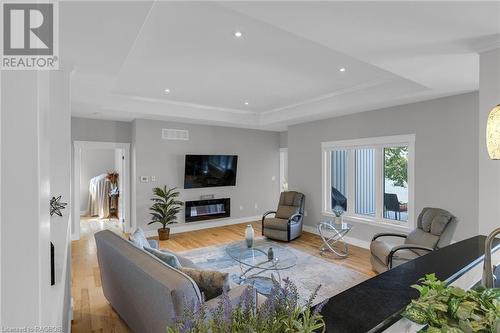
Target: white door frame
(124,179)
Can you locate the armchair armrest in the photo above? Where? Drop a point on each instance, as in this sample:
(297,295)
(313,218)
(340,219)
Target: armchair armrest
(264,217)
(389,234)
(406,247)
(267,213)
(234,294)
(292,218)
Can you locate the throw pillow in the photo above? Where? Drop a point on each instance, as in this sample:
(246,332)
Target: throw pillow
(211,283)
(168,258)
(139,239)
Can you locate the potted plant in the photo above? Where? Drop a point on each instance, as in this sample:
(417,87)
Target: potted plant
(444,308)
(338,211)
(165,208)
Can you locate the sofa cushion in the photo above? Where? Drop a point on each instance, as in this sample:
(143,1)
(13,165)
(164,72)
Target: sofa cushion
(138,238)
(185,262)
(426,219)
(439,224)
(381,250)
(210,283)
(276,223)
(284,212)
(167,257)
(434,220)
(420,237)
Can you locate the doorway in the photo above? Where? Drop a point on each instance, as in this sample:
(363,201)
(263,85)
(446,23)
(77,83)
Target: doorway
(101,187)
(283,169)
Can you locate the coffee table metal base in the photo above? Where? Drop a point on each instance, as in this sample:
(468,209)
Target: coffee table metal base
(254,275)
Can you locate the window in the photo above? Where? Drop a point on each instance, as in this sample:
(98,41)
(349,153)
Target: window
(365,181)
(396,183)
(371,179)
(339,179)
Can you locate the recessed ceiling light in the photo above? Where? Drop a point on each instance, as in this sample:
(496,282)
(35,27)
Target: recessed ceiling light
(167,91)
(238,34)
(342,69)
(246,103)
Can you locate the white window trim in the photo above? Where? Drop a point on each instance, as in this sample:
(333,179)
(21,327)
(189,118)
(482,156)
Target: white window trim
(378,143)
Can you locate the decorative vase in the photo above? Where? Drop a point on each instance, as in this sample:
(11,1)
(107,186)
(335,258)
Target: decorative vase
(270,254)
(338,219)
(163,233)
(249,235)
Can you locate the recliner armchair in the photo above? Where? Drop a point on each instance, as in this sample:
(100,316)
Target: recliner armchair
(286,224)
(435,228)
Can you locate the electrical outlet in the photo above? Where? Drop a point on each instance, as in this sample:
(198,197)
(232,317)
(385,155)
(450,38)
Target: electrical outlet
(241,207)
(256,206)
(144,179)
(305,213)
(273,178)
(153,178)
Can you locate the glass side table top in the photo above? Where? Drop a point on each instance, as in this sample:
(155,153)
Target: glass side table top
(338,226)
(257,257)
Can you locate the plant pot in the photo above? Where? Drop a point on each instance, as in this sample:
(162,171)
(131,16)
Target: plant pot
(163,233)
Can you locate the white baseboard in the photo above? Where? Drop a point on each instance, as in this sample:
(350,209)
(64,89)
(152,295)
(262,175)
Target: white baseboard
(351,240)
(191,226)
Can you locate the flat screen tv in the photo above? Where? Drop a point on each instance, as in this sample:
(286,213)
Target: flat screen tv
(210,170)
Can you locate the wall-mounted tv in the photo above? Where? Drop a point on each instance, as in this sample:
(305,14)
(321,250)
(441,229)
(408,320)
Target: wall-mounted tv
(210,170)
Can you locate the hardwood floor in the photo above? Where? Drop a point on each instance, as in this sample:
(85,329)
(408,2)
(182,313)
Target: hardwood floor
(92,312)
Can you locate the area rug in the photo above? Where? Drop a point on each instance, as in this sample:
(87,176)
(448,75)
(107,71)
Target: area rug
(309,272)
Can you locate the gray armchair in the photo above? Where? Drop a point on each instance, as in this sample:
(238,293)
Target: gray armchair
(435,228)
(286,224)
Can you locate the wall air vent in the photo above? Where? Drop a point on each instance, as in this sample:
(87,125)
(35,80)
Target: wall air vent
(174,134)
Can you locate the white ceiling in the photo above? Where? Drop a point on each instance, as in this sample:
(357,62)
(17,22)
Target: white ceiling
(286,64)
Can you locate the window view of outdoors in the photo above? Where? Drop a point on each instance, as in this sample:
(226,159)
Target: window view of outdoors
(339,178)
(365,181)
(396,183)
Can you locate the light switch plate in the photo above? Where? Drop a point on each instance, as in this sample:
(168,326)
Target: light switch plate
(144,179)
(153,178)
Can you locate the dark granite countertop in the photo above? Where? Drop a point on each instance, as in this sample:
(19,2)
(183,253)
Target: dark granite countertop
(375,304)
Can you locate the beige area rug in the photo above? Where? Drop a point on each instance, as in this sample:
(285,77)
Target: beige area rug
(309,272)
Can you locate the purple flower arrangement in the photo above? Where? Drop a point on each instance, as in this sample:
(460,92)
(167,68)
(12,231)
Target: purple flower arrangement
(281,312)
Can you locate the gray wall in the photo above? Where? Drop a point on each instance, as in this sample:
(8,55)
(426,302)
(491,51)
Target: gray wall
(83,129)
(257,181)
(94,162)
(446,154)
(284,139)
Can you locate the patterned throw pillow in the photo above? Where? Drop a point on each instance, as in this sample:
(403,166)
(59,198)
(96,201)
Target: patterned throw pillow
(211,283)
(168,258)
(139,239)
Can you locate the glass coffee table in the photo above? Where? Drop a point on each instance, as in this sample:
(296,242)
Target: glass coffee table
(332,235)
(255,262)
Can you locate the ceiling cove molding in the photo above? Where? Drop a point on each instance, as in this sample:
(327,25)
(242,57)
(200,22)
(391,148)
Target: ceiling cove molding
(343,91)
(487,46)
(152,108)
(187,104)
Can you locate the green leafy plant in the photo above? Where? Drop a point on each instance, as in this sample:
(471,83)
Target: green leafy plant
(166,206)
(447,309)
(280,313)
(396,165)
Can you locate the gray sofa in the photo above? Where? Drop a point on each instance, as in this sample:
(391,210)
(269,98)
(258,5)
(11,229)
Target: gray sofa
(145,292)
